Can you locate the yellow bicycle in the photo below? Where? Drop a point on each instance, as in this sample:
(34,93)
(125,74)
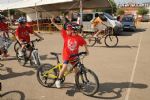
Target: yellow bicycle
(85,79)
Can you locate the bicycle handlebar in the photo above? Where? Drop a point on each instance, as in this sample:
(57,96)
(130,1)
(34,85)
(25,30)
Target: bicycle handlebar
(79,54)
(36,40)
(32,42)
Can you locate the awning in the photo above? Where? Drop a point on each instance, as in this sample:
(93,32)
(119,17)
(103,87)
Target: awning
(28,6)
(6,4)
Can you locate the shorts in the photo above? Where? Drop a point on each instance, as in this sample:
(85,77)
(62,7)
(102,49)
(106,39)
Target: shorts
(66,62)
(72,62)
(100,27)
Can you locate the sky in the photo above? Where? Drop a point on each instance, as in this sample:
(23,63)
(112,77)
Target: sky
(126,1)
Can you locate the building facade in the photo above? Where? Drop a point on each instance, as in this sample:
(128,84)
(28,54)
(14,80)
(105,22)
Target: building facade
(132,8)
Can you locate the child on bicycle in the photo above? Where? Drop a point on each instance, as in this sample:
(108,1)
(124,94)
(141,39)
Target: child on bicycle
(97,25)
(4,28)
(72,42)
(23,33)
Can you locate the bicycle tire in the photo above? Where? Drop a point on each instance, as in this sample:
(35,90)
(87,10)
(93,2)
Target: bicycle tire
(22,60)
(43,68)
(32,63)
(15,46)
(90,41)
(84,82)
(84,35)
(111,40)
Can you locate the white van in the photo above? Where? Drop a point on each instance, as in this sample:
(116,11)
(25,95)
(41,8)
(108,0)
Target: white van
(87,17)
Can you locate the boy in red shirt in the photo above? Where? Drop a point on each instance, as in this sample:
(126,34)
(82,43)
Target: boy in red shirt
(23,33)
(4,28)
(72,42)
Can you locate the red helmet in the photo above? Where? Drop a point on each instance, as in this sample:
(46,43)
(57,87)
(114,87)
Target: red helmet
(69,27)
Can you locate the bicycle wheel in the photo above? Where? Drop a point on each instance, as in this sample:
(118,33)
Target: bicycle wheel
(87,82)
(16,46)
(22,60)
(84,35)
(43,76)
(34,59)
(90,41)
(111,41)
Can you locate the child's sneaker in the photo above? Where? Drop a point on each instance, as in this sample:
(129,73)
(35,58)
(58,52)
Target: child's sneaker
(57,83)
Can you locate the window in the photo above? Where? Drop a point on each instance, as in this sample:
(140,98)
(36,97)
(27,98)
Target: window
(127,19)
(109,16)
(87,17)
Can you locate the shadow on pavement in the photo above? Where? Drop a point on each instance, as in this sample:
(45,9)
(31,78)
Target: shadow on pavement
(22,95)
(43,57)
(12,74)
(115,90)
(9,58)
(130,33)
(2,68)
(119,46)
(1,65)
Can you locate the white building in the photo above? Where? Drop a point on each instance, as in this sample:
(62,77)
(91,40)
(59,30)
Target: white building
(147,6)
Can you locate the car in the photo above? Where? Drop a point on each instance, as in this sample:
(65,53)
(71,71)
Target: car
(128,23)
(109,20)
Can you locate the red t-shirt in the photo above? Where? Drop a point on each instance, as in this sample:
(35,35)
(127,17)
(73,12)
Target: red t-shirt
(71,45)
(29,26)
(3,26)
(23,33)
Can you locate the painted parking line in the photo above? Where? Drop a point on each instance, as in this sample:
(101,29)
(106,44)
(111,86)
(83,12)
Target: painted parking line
(134,68)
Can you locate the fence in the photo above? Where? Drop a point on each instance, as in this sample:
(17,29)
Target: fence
(43,27)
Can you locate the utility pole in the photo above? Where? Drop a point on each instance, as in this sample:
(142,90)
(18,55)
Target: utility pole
(9,17)
(81,11)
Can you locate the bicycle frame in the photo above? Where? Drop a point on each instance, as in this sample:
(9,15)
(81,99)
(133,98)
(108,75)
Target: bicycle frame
(33,52)
(57,67)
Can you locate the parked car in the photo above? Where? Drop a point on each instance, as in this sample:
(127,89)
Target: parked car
(109,20)
(128,23)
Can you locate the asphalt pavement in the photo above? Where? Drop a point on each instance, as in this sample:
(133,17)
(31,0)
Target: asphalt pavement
(123,71)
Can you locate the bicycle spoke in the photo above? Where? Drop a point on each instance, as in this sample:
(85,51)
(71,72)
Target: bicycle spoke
(111,41)
(88,82)
(43,75)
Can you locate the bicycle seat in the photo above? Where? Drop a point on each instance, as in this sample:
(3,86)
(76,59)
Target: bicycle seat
(55,54)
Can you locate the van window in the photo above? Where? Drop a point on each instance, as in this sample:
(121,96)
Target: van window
(109,16)
(102,17)
(87,17)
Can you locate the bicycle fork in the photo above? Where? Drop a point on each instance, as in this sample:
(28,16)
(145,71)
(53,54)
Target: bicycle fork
(36,57)
(84,75)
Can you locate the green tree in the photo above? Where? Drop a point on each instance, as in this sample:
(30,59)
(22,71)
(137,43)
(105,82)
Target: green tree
(114,6)
(120,12)
(5,13)
(142,11)
(111,10)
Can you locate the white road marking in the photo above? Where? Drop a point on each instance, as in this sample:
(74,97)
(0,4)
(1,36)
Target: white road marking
(134,68)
